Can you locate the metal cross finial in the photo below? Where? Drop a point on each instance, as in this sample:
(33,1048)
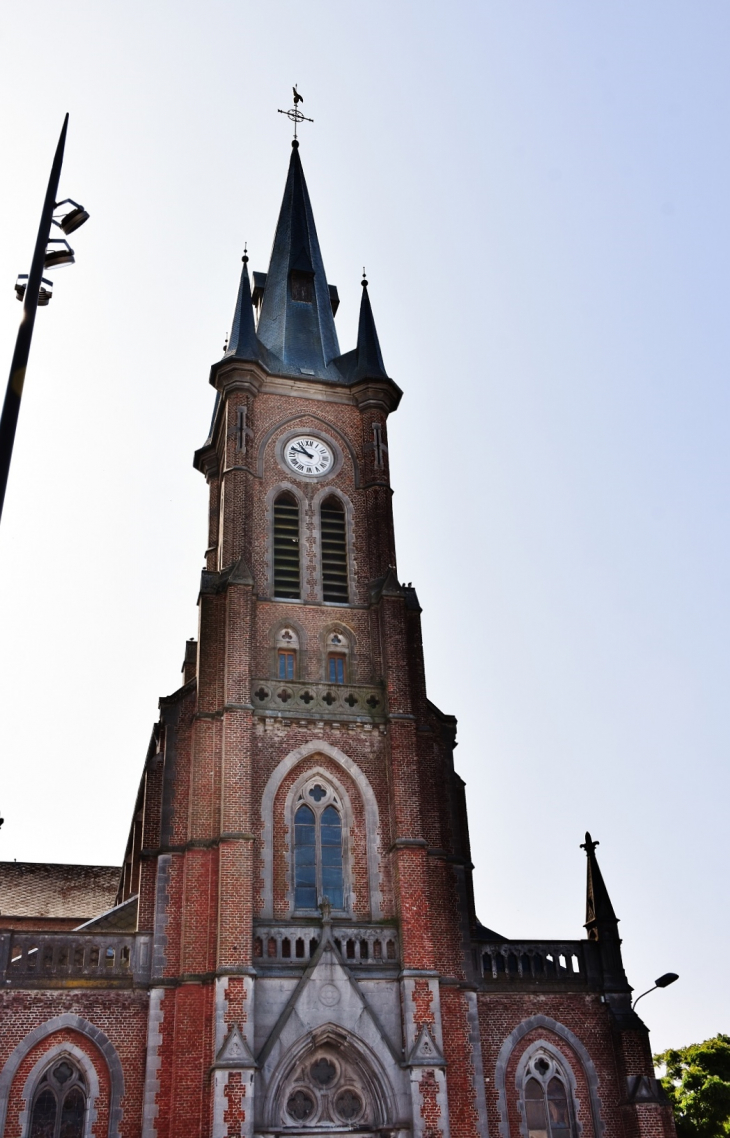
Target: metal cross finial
(295,115)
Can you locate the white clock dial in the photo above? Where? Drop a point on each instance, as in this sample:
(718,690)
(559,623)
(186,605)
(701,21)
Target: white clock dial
(310,456)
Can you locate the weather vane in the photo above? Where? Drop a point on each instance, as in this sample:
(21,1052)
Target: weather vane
(295,115)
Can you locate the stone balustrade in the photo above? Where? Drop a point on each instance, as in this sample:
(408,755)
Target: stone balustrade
(49,959)
(294,945)
(529,963)
(320,701)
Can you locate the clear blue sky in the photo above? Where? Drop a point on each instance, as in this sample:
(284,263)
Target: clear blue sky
(540,194)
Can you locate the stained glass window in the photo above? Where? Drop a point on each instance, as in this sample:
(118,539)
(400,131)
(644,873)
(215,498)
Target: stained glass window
(305,859)
(318,854)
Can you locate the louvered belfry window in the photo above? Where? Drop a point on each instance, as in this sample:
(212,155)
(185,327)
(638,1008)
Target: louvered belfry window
(286,547)
(334,551)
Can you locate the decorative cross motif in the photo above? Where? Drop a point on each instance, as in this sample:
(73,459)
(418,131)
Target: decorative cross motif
(295,115)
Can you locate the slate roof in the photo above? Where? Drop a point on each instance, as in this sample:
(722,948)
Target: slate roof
(47,889)
(294,338)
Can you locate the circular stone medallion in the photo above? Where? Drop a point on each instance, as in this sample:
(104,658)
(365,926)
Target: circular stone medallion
(329,995)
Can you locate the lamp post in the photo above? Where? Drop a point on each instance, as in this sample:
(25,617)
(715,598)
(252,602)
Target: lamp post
(36,290)
(663,982)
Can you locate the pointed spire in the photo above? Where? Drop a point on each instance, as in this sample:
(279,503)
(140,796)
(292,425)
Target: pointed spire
(366,361)
(602,923)
(296,322)
(600,917)
(242,342)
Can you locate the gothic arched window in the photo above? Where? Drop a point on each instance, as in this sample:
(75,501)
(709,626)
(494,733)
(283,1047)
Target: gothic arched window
(318,863)
(59,1103)
(547,1099)
(286,547)
(334,551)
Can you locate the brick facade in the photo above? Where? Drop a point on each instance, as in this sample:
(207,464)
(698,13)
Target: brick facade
(210,1005)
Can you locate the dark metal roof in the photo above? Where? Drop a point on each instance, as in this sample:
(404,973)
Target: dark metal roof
(366,360)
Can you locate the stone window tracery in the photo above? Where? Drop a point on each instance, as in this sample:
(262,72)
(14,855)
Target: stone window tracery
(318,856)
(59,1102)
(326,1090)
(547,1099)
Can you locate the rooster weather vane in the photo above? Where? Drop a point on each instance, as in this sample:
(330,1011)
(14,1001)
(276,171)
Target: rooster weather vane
(295,115)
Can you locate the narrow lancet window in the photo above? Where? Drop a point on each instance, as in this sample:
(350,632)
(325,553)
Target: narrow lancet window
(305,859)
(286,547)
(318,867)
(334,551)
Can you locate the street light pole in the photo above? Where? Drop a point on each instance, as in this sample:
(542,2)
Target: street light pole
(11,406)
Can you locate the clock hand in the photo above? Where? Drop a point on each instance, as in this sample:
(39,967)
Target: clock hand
(301,450)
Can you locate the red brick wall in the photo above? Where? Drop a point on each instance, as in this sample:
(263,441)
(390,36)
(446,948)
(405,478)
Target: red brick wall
(121,1015)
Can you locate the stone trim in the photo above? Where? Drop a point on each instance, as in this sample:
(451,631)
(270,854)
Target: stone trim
(150,1108)
(102,1042)
(472,1014)
(548,1024)
(159,944)
(372,825)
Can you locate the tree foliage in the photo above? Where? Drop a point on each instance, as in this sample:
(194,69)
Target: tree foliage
(697,1081)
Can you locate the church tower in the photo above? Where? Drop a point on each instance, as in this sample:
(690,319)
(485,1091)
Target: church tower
(315,855)
(293,948)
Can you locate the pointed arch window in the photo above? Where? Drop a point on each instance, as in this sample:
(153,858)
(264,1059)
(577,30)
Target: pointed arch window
(547,1099)
(318,861)
(287,573)
(334,551)
(59,1103)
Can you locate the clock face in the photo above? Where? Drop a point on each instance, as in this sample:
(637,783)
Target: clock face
(310,456)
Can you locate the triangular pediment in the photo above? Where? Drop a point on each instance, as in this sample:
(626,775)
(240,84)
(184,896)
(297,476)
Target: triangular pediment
(234,1052)
(424,1052)
(327,998)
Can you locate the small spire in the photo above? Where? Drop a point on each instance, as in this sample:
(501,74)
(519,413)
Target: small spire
(243,341)
(600,917)
(602,925)
(366,361)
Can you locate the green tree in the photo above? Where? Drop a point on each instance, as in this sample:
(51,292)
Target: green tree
(697,1081)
